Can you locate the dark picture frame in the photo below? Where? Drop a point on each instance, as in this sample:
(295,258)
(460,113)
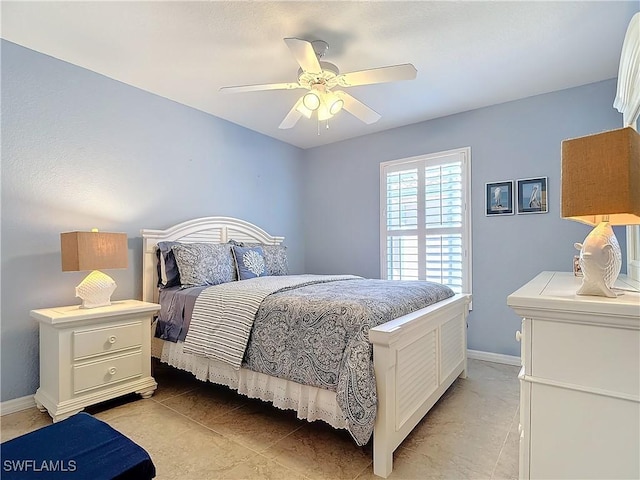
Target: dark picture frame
(499,198)
(532,195)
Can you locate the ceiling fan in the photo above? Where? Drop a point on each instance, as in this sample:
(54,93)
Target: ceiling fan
(320,78)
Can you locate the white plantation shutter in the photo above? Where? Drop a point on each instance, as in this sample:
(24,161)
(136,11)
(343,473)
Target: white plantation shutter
(426,219)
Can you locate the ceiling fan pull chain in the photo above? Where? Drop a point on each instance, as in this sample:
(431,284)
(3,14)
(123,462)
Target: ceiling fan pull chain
(318,127)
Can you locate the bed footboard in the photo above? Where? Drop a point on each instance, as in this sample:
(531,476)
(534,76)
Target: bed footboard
(416,358)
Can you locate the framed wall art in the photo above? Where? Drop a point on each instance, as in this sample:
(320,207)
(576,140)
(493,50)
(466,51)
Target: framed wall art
(532,195)
(499,198)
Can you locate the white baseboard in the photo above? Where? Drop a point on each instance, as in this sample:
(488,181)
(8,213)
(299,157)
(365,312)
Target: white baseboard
(16,405)
(494,357)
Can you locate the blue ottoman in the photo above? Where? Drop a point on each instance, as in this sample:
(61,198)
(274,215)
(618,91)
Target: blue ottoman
(80,447)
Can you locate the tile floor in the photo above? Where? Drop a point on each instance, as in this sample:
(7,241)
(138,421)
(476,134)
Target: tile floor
(201,431)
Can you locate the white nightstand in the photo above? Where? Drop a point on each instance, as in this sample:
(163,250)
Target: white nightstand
(88,356)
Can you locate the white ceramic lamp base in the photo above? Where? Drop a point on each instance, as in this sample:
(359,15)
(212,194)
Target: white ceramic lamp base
(600,261)
(95,290)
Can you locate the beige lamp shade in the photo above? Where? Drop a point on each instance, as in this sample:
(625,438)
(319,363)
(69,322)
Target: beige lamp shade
(601,178)
(93,251)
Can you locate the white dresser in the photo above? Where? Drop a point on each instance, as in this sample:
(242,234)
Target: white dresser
(88,356)
(580,380)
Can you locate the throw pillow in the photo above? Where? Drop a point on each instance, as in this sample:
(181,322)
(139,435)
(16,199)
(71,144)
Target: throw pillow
(249,262)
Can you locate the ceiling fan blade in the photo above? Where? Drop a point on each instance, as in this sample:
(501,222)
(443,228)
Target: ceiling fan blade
(358,109)
(304,54)
(378,75)
(292,117)
(255,88)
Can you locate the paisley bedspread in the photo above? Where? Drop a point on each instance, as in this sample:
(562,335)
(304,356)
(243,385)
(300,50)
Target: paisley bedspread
(319,335)
(223,314)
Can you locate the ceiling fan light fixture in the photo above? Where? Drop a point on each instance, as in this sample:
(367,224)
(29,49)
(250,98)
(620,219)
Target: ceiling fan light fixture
(311,100)
(336,106)
(334,103)
(323,112)
(302,109)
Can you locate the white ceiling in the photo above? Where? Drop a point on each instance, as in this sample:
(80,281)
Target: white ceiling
(468,54)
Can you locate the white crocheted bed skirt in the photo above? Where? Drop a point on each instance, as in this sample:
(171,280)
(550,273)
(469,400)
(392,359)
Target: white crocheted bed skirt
(310,403)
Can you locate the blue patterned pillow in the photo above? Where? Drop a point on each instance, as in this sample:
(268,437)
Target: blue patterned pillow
(275,257)
(204,263)
(249,262)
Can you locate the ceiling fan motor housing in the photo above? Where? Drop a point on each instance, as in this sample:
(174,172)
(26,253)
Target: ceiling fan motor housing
(327,77)
(320,47)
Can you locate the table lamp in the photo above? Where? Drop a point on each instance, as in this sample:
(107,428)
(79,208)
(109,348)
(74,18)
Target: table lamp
(94,251)
(601,187)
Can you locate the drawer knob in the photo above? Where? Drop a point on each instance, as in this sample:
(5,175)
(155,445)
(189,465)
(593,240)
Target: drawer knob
(112,370)
(112,339)
(518,336)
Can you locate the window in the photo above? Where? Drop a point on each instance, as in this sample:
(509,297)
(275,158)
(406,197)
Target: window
(426,219)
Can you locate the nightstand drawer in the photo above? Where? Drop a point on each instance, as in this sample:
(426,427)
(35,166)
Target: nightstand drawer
(103,340)
(115,369)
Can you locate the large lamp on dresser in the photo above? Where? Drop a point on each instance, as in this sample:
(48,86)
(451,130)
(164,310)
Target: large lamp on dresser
(83,251)
(601,187)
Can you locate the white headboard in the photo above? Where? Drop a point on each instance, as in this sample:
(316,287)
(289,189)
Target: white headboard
(200,230)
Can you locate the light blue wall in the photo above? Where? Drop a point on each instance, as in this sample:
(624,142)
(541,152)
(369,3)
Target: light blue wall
(519,139)
(80,150)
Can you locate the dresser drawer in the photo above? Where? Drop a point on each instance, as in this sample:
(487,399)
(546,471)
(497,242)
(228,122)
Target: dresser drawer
(587,356)
(108,339)
(111,370)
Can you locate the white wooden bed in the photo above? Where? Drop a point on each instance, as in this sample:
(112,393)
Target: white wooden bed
(416,357)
